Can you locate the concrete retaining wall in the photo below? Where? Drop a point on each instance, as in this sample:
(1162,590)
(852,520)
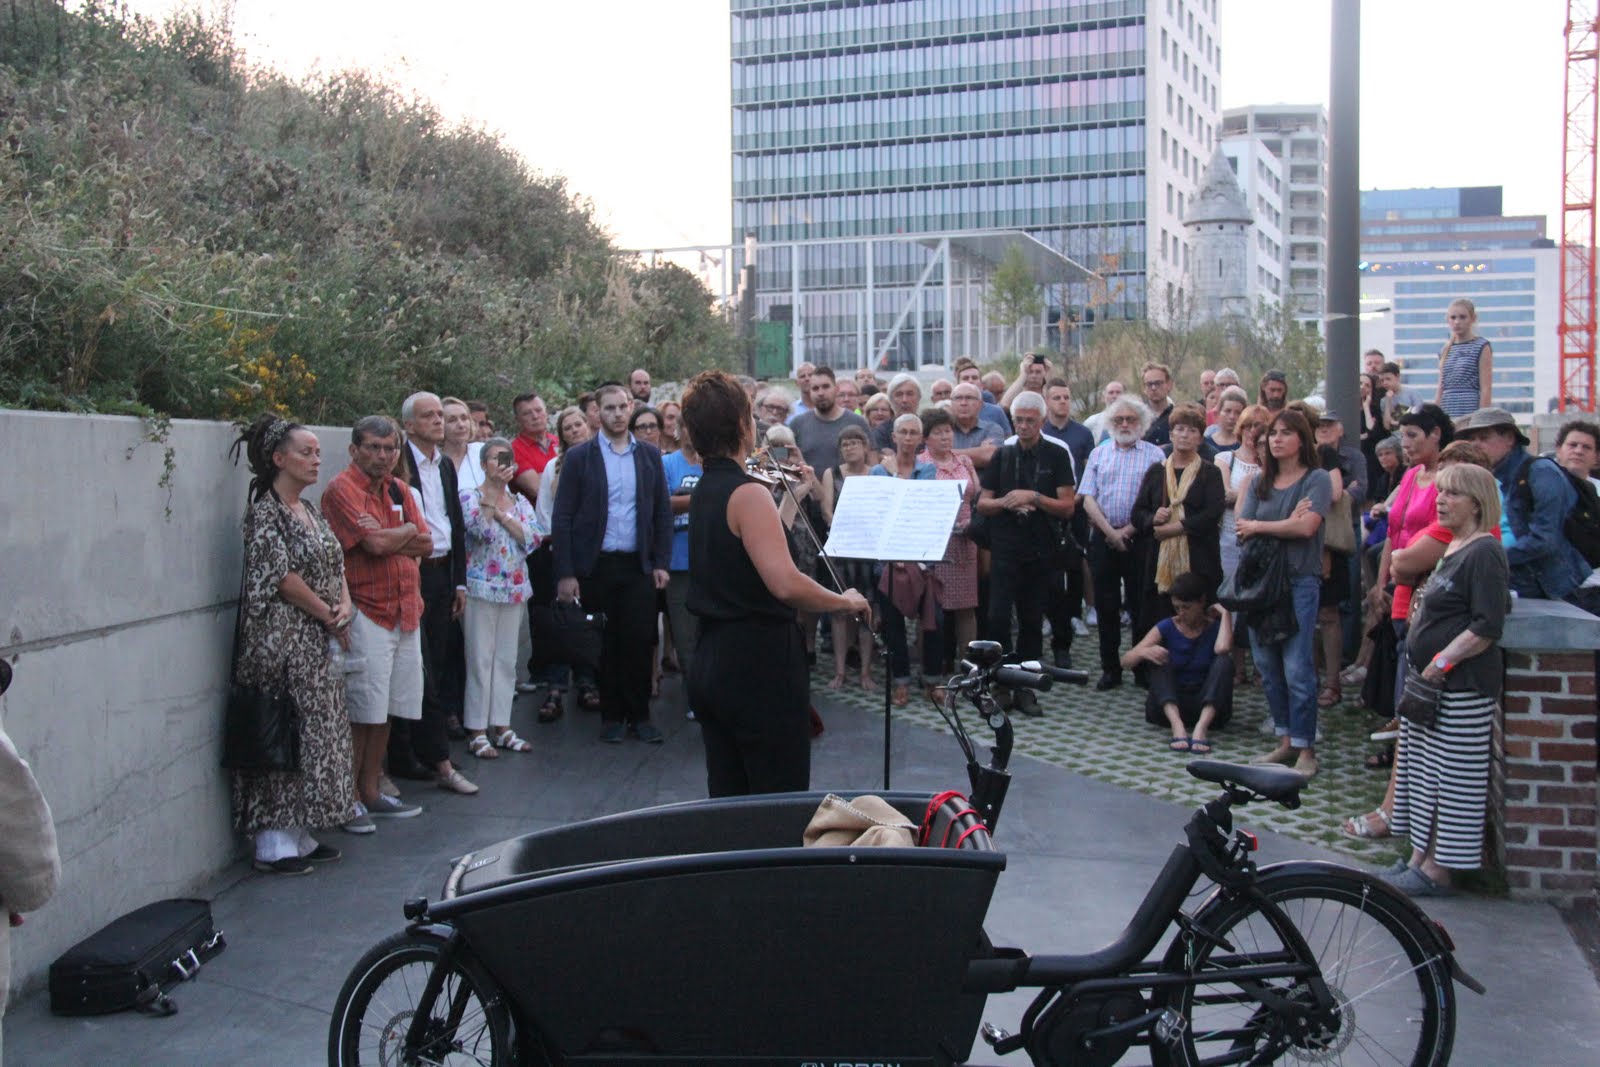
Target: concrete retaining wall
(117,617)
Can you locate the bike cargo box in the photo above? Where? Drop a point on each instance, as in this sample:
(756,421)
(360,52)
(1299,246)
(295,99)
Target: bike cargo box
(133,961)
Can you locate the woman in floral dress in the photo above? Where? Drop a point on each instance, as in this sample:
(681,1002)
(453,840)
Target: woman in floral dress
(500,534)
(295,598)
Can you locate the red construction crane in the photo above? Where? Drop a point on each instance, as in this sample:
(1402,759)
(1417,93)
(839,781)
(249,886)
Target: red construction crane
(1576,333)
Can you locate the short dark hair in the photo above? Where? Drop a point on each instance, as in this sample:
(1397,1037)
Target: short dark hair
(1578,426)
(611,387)
(963,362)
(477,407)
(869,389)
(1429,417)
(1190,587)
(1058,383)
(521,399)
(933,418)
(640,412)
(1391,368)
(823,371)
(1372,352)
(716,412)
(372,426)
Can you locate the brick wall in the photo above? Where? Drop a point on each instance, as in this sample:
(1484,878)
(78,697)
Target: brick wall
(1543,784)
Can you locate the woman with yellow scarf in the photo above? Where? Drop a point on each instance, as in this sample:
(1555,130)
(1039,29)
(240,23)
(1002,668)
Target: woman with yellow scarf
(1178,516)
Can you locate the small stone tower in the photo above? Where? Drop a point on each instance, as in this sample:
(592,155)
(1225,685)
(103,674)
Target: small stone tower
(1219,225)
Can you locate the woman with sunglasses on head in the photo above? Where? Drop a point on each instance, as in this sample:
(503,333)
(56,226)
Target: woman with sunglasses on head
(500,534)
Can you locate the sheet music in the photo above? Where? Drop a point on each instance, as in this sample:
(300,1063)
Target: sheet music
(894,519)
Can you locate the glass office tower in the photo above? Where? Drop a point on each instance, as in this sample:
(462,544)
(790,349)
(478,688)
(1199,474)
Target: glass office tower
(866,134)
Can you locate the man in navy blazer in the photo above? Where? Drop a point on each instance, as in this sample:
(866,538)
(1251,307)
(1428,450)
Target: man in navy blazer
(612,530)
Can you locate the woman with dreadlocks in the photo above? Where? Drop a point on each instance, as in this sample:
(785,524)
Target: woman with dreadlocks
(295,599)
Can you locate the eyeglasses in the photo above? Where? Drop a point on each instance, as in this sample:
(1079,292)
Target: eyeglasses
(1125,420)
(378,449)
(646,427)
(777,409)
(1155,383)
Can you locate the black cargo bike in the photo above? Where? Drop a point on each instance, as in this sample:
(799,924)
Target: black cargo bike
(702,933)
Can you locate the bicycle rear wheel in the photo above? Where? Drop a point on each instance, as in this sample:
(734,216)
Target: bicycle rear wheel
(1393,998)
(469,1025)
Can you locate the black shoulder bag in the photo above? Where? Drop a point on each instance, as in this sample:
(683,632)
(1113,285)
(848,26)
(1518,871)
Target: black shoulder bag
(261,728)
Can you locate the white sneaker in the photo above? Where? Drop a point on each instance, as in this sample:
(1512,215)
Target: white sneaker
(1079,628)
(1093,618)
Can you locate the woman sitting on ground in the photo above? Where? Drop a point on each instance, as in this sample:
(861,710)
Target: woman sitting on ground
(1186,658)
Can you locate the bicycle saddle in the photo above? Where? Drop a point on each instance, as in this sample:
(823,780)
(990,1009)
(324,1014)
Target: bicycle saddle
(1273,782)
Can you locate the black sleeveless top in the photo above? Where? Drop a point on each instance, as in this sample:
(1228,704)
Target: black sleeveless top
(724,585)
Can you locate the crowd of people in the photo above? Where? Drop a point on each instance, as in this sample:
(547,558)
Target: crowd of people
(1390,542)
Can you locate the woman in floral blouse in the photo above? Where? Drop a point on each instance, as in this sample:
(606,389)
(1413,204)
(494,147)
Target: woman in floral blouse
(500,534)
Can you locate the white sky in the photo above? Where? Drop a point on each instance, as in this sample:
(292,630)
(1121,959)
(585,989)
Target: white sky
(630,98)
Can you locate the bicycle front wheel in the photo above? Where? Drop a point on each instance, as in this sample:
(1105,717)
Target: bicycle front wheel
(468,1024)
(1393,1002)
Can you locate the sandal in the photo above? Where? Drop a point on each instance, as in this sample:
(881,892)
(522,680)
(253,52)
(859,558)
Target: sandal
(1360,826)
(1353,675)
(588,698)
(1331,694)
(901,696)
(553,706)
(1380,760)
(508,740)
(1199,746)
(1178,744)
(480,745)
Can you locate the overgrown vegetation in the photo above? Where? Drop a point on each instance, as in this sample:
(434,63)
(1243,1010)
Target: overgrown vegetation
(181,233)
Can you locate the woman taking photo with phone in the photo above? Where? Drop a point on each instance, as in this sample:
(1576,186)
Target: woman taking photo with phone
(748,684)
(500,534)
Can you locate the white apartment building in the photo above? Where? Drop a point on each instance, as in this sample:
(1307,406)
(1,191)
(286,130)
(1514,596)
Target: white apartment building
(1404,296)
(1261,179)
(1183,126)
(1298,135)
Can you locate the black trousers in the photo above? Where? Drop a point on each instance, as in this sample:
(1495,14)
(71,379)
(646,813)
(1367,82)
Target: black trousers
(627,596)
(425,740)
(1023,585)
(1118,584)
(750,691)
(1216,690)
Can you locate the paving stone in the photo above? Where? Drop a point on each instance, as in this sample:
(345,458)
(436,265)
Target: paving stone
(1103,735)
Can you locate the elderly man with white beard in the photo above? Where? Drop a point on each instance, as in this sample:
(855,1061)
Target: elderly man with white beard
(1108,487)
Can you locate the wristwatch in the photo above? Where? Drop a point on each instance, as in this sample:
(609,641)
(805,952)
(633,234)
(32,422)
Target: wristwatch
(1443,663)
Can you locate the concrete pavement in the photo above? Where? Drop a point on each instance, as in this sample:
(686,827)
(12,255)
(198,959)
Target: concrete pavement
(1080,854)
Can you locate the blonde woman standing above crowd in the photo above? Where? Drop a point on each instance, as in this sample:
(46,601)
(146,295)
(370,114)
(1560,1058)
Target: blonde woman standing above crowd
(1466,364)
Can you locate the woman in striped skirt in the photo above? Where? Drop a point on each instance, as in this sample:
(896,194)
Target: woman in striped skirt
(1442,777)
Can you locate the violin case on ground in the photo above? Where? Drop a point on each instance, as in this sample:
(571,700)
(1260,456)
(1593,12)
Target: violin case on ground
(132,962)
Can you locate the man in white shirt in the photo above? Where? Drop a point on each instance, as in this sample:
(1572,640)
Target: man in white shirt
(421,749)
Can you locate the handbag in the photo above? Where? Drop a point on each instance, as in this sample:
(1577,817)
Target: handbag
(1339,529)
(1419,699)
(134,960)
(261,726)
(563,632)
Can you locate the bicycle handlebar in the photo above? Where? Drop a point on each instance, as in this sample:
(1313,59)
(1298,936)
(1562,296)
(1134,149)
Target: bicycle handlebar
(1018,678)
(1060,674)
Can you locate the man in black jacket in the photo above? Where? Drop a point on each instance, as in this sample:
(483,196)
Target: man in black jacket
(612,528)
(421,749)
